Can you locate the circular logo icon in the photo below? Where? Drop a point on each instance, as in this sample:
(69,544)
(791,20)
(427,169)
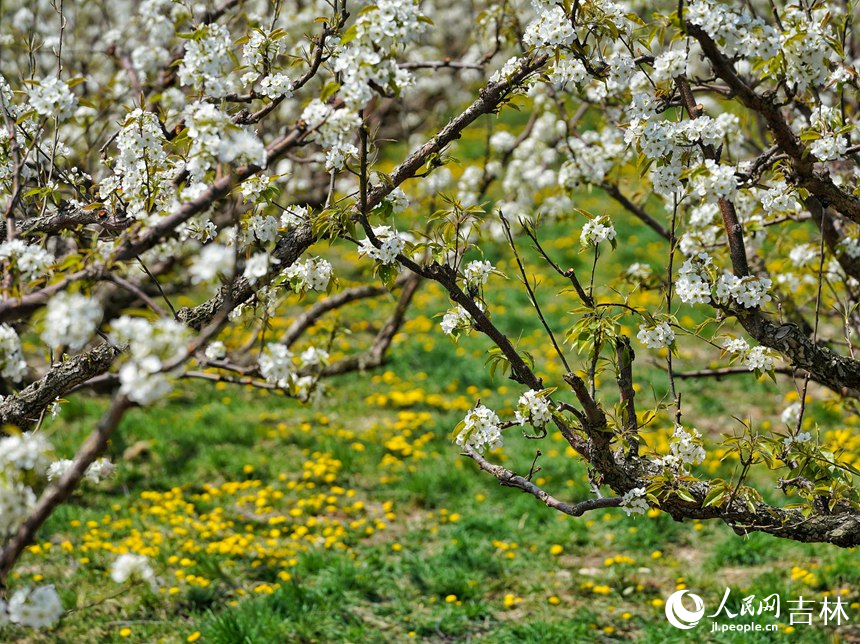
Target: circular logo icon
(680,617)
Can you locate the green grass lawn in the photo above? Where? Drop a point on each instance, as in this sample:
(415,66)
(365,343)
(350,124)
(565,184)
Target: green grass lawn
(357,520)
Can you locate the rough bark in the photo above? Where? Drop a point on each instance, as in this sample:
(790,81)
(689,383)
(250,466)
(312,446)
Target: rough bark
(24,408)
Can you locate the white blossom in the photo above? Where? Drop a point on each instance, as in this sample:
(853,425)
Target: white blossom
(717,181)
(597,230)
(27,451)
(550,29)
(52,97)
(150,346)
(99,470)
(791,415)
(71,320)
(477,272)
(276,364)
(37,608)
(692,285)
(392,244)
(16,502)
(633,501)
(12,363)
(277,86)
(312,274)
(639,272)
(480,430)
(829,147)
(206,61)
(30,260)
(685,449)
(656,336)
(754,358)
(314,357)
(670,64)
(533,409)
(131,566)
(212,260)
(257,266)
(216,351)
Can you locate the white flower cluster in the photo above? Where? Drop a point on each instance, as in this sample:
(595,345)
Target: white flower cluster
(258,266)
(692,285)
(592,155)
(216,351)
(477,272)
(98,470)
(27,452)
(802,437)
(805,48)
(670,64)
(260,48)
(718,180)
(779,199)
(480,430)
(392,245)
(367,60)
(263,228)
(754,358)
(533,409)
(511,67)
(12,363)
(52,97)
(791,415)
(829,147)
(35,608)
(685,449)
(637,272)
(150,345)
(312,274)
(215,138)
(71,320)
(314,357)
(597,230)
(750,292)
(567,70)
(457,320)
(671,144)
(633,501)
(24,459)
(552,28)
(29,260)
(207,61)
(253,187)
(212,260)
(131,566)
(276,364)
(335,129)
(277,86)
(738,33)
(656,336)
(669,141)
(16,501)
(295,216)
(142,170)
(803,255)
(278,367)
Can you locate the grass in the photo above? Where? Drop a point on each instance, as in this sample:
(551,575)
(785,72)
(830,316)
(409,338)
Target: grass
(357,521)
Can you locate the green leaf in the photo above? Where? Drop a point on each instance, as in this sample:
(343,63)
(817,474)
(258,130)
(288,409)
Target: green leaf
(682,493)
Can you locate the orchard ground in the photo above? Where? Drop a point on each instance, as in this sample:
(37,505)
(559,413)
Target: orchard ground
(357,520)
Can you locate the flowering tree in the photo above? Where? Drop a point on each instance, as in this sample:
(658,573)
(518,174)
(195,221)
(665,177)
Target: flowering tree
(162,150)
